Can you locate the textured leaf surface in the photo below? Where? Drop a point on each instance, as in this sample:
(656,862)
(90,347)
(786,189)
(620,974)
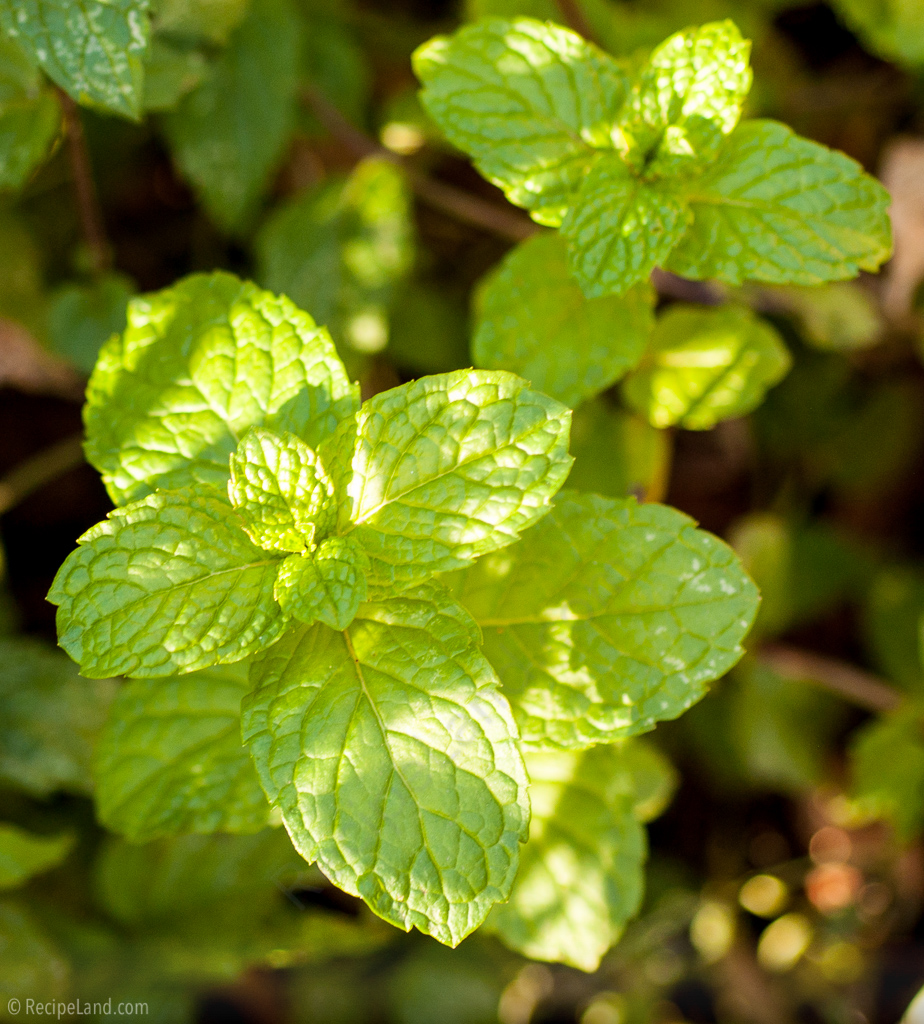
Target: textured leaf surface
(533,319)
(581,872)
(608,617)
(198,364)
(448,467)
(93,49)
(280,488)
(531,102)
(50,719)
(393,757)
(27,128)
(229,133)
(24,854)
(704,365)
(781,209)
(168,584)
(326,586)
(620,228)
(171,759)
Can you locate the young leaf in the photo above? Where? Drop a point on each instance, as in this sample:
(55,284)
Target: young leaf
(533,319)
(282,491)
(27,128)
(581,872)
(199,364)
(171,759)
(531,102)
(393,757)
(23,854)
(168,584)
(93,49)
(780,209)
(705,365)
(620,227)
(229,133)
(608,617)
(327,586)
(446,468)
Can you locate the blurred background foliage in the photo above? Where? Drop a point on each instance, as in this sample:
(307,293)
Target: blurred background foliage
(282,139)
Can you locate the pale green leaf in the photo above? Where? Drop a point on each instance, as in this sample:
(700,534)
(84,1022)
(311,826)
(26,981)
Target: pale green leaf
(608,617)
(437,472)
(705,365)
(892,29)
(229,134)
(171,759)
(50,719)
(82,317)
(281,490)
(533,319)
(213,20)
(199,364)
(620,228)
(28,127)
(93,49)
(171,70)
(780,209)
(326,586)
(167,584)
(30,966)
(24,854)
(531,102)
(393,757)
(581,872)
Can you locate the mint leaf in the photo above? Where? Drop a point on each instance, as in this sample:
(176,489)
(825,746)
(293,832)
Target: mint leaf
(393,757)
(620,227)
(198,364)
(212,20)
(229,133)
(533,319)
(93,49)
(171,759)
(687,98)
(23,854)
(780,209)
(82,317)
(326,586)
(282,491)
(28,127)
(608,617)
(531,102)
(581,872)
(891,30)
(49,719)
(436,472)
(705,365)
(30,962)
(168,584)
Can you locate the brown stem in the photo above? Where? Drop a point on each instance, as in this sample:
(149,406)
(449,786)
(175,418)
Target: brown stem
(853,684)
(88,208)
(574,19)
(40,469)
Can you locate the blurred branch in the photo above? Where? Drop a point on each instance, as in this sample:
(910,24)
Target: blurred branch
(446,198)
(574,19)
(853,684)
(40,469)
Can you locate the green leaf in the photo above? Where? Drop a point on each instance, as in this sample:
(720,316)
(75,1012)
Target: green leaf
(534,320)
(170,72)
(393,757)
(327,586)
(620,228)
(167,584)
(705,365)
(281,490)
(778,208)
(687,98)
(171,759)
(892,616)
(531,102)
(212,20)
(198,364)
(608,617)
(31,966)
(229,134)
(581,873)
(28,126)
(82,317)
(93,49)
(891,29)
(49,719)
(439,471)
(23,854)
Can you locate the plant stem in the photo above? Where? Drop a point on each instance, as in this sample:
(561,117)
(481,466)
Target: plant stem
(88,208)
(574,19)
(40,469)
